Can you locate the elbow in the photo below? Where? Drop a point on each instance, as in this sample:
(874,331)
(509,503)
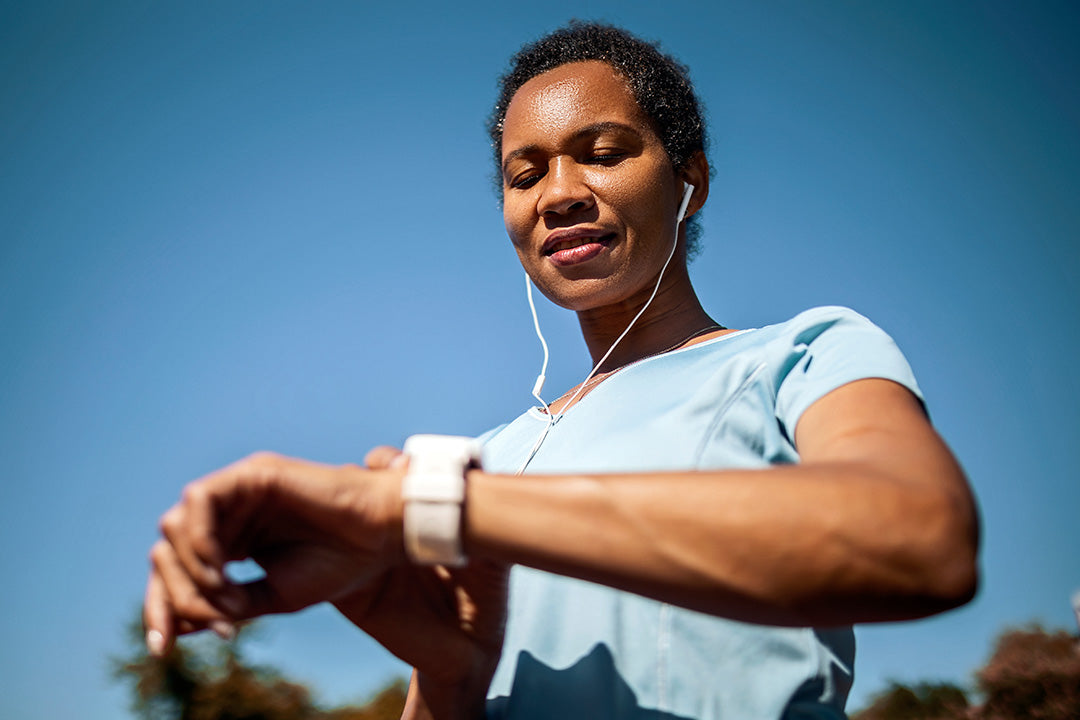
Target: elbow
(950,574)
(955,582)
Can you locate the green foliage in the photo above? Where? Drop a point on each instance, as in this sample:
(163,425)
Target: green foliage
(204,678)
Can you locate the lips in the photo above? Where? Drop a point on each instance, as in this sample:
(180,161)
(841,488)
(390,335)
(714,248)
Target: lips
(569,246)
(573,243)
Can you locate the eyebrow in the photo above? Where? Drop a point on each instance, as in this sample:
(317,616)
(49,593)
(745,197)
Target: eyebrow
(588,131)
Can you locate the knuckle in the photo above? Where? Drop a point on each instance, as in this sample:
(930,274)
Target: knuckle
(263,457)
(158,552)
(262,466)
(203,547)
(371,459)
(380,456)
(170,521)
(193,493)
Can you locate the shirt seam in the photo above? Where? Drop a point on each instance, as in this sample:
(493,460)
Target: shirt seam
(742,388)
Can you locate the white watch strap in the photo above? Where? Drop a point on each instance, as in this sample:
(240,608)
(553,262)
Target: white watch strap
(434,492)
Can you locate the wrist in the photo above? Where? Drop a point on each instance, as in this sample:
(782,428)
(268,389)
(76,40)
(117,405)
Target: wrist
(376,494)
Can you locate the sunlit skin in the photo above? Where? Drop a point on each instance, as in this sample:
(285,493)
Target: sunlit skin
(875,523)
(590,203)
(579,157)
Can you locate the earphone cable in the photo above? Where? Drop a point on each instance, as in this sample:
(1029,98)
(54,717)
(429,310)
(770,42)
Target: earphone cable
(553,419)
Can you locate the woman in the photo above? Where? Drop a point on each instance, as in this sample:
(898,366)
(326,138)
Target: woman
(698,523)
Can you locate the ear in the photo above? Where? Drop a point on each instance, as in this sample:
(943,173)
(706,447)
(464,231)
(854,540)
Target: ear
(697,174)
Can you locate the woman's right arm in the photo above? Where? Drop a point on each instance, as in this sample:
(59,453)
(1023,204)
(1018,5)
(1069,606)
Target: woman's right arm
(447,624)
(326,533)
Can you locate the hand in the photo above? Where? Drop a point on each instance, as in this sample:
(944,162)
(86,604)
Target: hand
(319,532)
(446,622)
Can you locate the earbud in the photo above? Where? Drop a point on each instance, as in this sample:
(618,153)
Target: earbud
(687,193)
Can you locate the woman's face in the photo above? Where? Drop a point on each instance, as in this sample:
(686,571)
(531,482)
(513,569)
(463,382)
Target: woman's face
(589,194)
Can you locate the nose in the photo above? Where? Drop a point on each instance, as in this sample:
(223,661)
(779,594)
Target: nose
(565,190)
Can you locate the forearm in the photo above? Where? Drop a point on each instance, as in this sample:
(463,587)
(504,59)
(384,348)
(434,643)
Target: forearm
(428,699)
(811,544)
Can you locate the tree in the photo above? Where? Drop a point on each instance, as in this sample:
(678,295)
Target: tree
(924,701)
(204,678)
(1033,675)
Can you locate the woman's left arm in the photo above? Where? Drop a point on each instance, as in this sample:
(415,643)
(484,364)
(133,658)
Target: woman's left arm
(875,523)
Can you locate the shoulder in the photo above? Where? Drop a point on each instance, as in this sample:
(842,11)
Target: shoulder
(823,348)
(809,324)
(834,342)
(834,328)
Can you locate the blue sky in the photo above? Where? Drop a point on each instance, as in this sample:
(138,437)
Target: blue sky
(227,227)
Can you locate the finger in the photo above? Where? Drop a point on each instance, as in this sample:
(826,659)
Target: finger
(230,507)
(204,543)
(157,617)
(384,457)
(186,536)
(480,591)
(195,527)
(185,601)
(161,628)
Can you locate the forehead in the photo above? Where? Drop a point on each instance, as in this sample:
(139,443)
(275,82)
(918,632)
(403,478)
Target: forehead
(568,97)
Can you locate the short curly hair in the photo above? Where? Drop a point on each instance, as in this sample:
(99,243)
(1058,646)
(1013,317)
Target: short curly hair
(660,84)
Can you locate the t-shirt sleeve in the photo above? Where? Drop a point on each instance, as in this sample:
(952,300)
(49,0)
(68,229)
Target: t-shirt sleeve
(824,348)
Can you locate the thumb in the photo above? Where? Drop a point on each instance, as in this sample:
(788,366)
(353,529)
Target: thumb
(385,457)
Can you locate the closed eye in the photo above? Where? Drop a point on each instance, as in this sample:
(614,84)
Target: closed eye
(525,181)
(605,157)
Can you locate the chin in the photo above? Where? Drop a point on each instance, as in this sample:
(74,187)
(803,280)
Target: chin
(585,294)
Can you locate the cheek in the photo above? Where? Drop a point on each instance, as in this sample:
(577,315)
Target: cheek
(639,195)
(517,228)
(517,239)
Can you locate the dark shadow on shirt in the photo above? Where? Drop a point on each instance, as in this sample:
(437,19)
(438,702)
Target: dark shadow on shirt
(590,688)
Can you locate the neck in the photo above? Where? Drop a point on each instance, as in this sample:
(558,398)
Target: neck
(673,317)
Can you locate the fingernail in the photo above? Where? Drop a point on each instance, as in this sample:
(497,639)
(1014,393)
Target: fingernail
(155,643)
(223,629)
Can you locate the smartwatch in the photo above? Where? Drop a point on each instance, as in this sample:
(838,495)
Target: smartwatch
(434,493)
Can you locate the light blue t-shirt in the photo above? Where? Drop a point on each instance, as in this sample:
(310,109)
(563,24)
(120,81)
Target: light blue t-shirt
(575,649)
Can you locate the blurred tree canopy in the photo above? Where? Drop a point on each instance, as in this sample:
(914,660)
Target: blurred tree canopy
(924,701)
(205,678)
(1033,674)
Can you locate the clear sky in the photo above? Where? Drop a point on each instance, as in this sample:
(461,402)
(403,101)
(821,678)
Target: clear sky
(227,227)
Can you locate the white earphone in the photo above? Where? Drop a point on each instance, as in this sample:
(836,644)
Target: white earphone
(688,192)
